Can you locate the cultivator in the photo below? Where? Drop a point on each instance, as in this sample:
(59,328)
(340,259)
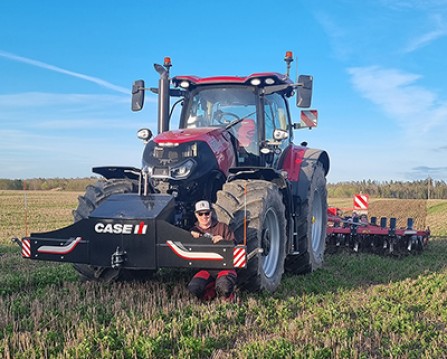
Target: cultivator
(359,234)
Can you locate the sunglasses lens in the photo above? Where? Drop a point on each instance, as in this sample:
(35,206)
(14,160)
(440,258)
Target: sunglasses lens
(204,213)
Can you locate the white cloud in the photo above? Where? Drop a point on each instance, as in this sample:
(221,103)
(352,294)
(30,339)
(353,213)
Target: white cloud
(397,95)
(67,111)
(419,113)
(428,37)
(336,34)
(415,4)
(42,99)
(53,68)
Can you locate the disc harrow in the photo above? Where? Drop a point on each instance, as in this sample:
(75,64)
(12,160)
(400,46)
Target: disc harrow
(375,236)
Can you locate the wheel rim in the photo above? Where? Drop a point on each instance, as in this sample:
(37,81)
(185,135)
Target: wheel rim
(317,222)
(270,243)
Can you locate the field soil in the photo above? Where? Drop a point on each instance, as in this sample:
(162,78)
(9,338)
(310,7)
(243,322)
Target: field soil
(358,305)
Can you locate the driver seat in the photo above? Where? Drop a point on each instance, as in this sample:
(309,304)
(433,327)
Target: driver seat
(246,137)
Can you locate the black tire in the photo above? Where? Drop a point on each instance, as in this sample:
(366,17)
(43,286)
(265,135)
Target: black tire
(266,229)
(312,226)
(92,198)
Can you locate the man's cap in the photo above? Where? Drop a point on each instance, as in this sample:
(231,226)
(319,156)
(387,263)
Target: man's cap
(203,206)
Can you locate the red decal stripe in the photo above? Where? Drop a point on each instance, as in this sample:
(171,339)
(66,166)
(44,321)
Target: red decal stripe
(196,256)
(26,248)
(141,227)
(309,117)
(360,201)
(239,257)
(60,250)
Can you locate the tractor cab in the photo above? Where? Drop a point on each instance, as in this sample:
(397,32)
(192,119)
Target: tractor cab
(253,118)
(227,124)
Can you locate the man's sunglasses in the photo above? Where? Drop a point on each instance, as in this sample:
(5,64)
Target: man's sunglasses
(203,213)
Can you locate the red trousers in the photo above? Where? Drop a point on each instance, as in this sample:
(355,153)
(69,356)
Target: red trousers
(207,284)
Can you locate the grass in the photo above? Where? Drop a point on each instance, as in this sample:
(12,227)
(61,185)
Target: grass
(356,306)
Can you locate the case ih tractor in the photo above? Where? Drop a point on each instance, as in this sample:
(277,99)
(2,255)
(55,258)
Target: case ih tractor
(234,147)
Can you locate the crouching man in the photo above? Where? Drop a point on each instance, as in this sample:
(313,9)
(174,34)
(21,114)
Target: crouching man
(207,284)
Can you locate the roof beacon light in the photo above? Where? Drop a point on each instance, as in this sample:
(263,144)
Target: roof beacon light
(288,59)
(255,82)
(167,62)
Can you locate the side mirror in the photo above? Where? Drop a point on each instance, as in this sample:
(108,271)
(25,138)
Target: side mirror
(137,95)
(304,91)
(309,119)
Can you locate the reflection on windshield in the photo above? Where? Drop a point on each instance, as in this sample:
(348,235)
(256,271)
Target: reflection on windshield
(220,107)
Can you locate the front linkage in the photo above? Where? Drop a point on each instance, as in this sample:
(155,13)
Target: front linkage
(133,232)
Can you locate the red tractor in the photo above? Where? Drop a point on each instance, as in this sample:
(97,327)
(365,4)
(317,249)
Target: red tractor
(234,147)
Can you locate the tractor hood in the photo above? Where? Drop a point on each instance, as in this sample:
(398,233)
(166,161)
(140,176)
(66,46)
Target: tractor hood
(206,134)
(205,148)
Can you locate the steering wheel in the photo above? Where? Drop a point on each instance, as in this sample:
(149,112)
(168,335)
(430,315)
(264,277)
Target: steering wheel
(220,117)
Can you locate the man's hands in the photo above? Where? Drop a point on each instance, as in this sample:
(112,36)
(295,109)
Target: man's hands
(214,239)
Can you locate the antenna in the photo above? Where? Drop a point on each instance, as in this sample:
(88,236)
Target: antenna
(296,69)
(245,214)
(25,194)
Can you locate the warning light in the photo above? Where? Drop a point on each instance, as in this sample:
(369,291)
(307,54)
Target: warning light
(167,62)
(288,59)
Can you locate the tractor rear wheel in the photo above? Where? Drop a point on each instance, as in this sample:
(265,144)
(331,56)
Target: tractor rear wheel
(265,232)
(312,226)
(93,197)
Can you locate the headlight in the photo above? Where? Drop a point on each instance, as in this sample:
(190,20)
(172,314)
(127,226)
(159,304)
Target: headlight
(183,170)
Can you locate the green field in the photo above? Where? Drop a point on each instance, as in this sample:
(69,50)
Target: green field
(356,306)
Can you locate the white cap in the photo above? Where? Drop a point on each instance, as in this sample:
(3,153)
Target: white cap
(203,206)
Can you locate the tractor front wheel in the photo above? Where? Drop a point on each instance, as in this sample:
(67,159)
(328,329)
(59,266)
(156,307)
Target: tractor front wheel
(93,197)
(255,212)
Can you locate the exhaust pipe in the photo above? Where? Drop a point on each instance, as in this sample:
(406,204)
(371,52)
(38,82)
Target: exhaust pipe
(163,94)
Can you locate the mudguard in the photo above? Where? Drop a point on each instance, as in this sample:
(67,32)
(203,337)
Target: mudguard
(110,172)
(299,163)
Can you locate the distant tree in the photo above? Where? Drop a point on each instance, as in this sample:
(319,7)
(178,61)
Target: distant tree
(390,189)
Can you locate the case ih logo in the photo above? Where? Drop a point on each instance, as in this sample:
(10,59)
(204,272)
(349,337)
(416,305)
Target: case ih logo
(119,228)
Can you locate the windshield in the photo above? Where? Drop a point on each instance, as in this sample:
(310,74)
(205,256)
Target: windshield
(219,106)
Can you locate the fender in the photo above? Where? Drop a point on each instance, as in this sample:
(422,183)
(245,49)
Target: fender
(310,159)
(117,172)
(299,162)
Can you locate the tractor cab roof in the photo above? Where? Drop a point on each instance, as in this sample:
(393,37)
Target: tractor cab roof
(258,79)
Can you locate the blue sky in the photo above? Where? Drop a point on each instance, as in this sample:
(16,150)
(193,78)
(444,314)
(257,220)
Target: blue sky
(380,81)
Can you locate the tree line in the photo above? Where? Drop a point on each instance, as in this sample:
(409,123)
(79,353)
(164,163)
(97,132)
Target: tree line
(422,189)
(47,184)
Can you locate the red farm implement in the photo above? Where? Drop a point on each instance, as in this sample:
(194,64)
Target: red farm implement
(375,235)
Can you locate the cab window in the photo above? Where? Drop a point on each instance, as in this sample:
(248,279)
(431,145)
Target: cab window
(275,112)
